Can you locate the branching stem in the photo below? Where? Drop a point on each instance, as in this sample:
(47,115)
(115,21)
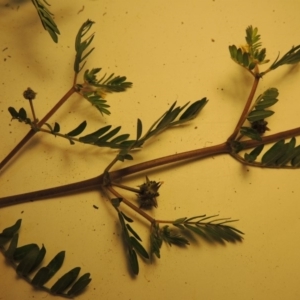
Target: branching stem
(97,182)
(32,132)
(246,108)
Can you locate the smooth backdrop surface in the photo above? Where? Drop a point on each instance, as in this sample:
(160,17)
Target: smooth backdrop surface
(171,51)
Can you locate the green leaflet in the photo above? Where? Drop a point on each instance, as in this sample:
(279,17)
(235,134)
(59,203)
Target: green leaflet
(273,153)
(168,119)
(139,247)
(131,242)
(116,202)
(9,253)
(80,285)
(22,251)
(65,281)
(9,232)
(14,114)
(28,262)
(251,157)
(133,232)
(265,103)
(46,273)
(267,99)
(251,133)
(289,153)
(120,138)
(281,154)
(291,57)
(193,110)
(82,45)
(207,227)
(93,137)
(107,136)
(179,221)
(173,238)
(133,261)
(46,19)
(79,129)
(111,84)
(96,100)
(250,55)
(126,218)
(94,90)
(56,128)
(139,129)
(196,230)
(257,115)
(155,240)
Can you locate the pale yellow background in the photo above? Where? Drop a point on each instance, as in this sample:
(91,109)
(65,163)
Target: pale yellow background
(170,50)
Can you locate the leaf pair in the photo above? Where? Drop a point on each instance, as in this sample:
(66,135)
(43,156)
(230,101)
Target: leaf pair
(132,242)
(31,256)
(82,45)
(94,90)
(265,100)
(165,234)
(281,154)
(107,85)
(215,230)
(259,113)
(20,115)
(46,19)
(291,57)
(250,55)
(171,118)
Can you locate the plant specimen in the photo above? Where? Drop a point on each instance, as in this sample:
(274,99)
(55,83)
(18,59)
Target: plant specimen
(249,133)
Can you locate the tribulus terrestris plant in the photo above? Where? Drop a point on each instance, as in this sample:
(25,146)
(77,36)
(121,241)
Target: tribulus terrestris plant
(245,144)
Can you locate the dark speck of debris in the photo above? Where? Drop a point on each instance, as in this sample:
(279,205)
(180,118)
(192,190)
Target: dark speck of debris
(96,207)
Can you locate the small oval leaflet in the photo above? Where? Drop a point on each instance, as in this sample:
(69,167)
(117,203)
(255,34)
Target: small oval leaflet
(79,129)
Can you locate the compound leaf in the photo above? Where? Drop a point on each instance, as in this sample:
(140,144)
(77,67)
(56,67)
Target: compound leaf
(46,19)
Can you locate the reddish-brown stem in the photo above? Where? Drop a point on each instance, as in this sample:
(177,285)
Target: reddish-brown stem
(188,155)
(97,182)
(32,132)
(246,109)
(67,189)
(272,138)
(32,111)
